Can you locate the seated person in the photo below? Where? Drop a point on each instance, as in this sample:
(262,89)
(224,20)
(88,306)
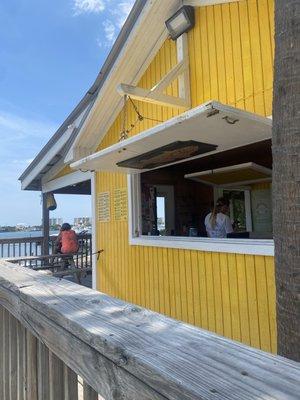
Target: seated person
(66,241)
(217,223)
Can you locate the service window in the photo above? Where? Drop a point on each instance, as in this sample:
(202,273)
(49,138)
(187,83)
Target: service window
(174,206)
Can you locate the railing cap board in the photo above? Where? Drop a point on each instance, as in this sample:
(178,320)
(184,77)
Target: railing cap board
(146,355)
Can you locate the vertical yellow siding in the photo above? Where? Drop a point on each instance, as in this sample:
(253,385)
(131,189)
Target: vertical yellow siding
(231,54)
(231,294)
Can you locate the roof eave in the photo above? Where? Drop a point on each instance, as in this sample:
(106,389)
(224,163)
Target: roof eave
(93,90)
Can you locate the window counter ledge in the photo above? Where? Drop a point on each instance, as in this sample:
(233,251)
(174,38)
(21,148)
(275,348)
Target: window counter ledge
(261,247)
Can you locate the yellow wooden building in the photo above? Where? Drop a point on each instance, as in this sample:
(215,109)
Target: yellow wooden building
(167,128)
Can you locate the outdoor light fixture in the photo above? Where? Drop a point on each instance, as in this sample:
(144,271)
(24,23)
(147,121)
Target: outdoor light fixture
(182,21)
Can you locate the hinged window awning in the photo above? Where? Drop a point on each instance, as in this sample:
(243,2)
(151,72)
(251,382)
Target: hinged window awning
(235,175)
(207,129)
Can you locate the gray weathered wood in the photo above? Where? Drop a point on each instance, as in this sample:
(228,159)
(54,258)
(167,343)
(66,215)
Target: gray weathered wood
(70,384)
(21,377)
(56,377)
(43,371)
(6,385)
(89,393)
(31,367)
(72,271)
(124,351)
(13,358)
(2,311)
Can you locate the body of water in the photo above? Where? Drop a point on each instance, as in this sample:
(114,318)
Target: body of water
(22,234)
(21,249)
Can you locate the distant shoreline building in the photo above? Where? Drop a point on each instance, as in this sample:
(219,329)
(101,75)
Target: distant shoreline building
(85,221)
(55,221)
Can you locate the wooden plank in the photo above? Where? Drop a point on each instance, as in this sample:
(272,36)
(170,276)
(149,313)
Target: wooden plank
(218,293)
(13,358)
(56,377)
(72,271)
(21,378)
(89,393)
(148,96)
(271,291)
(252,301)
(70,384)
(41,257)
(225,295)
(115,345)
(243,299)
(6,386)
(43,371)
(31,363)
(262,303)
(1,352)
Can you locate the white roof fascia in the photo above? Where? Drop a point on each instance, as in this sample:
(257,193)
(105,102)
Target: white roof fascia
(67,180)
(61,163)
(56,148)
(195,124)
(142,45)
(202,3)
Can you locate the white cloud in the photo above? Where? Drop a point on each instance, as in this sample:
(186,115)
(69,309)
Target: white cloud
(88,6)
(123,11)
(14,127)
(116,14)
(110,31)
(20,140)
(114,11)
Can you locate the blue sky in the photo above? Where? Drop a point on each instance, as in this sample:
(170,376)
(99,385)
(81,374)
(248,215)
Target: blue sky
(50,53)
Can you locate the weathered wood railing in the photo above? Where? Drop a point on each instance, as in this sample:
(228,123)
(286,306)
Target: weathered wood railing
(52,331)
(32,246)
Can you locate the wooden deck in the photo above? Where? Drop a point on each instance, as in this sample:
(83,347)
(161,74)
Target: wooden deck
(27,252)
(121,351)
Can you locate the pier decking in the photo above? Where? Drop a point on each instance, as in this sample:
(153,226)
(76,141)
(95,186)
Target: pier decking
(53,331)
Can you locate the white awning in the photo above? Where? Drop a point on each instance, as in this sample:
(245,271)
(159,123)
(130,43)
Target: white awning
(204,130)
(235,175)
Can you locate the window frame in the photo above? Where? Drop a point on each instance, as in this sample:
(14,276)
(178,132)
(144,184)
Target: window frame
(264,247)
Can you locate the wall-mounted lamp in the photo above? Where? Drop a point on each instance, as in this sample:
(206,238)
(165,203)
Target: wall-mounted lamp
(182,21)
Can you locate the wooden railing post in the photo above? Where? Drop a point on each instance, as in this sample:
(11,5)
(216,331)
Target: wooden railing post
(70,384)
(43,371)
(32,390)
(21,373)
(45,247)
(1,352)
(56,377)
(89,393)
(13,358)
(5,355)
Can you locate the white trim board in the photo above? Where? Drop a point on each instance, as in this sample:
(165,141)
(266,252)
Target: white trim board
(67,180)
(156,94)
(94,231)
(202,3)
(48,157)
(260,247)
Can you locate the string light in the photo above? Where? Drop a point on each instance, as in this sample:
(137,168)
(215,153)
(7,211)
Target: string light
(125,132)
